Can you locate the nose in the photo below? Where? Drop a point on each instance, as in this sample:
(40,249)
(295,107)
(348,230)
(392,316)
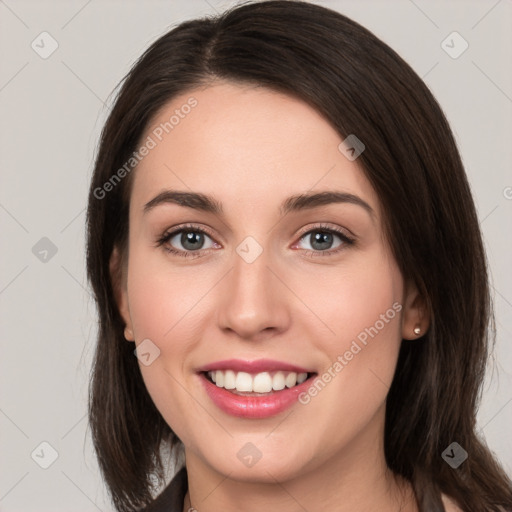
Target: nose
(253,302)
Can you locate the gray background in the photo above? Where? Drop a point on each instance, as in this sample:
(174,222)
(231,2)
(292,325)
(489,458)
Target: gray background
(52,110)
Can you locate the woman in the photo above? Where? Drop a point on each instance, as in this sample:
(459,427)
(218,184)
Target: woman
(281,230)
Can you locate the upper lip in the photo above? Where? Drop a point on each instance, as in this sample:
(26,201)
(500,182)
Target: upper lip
(257,366)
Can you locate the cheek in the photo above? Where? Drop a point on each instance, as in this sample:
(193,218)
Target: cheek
(163,297)
(359,302)
(167,306)
(363,309)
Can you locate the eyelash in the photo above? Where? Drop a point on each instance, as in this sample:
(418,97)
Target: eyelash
(347,241)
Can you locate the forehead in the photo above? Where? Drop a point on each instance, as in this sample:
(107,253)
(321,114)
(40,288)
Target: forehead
(244,144)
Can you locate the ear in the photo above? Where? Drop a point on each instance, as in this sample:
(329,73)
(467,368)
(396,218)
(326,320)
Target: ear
(118,278)
(415,317)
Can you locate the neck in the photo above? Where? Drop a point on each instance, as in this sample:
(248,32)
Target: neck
(351,480)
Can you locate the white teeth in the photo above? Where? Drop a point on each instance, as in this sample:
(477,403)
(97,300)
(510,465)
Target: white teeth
(229,379)
(278,381)
(243,381)
(262,382)
(301,377)
(291,380)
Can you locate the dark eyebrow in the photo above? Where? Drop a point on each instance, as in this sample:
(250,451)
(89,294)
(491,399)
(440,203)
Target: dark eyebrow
(189,199)
(298,202)
(314,200)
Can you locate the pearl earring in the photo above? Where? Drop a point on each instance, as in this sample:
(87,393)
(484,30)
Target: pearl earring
(417,330)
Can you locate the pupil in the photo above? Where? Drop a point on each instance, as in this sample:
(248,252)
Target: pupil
(323,239)
(192,240)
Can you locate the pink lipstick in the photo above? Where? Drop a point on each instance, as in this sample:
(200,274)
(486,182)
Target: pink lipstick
(254,389)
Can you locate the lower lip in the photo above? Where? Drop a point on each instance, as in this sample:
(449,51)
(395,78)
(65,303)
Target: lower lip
(256,407)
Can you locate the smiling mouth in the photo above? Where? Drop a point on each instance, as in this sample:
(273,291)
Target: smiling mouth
(258,384)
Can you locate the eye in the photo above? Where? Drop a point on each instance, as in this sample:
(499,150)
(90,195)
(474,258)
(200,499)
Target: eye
(322,240)
(192,241)
(187,240)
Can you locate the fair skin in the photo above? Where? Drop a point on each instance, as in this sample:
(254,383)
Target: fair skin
(251,148)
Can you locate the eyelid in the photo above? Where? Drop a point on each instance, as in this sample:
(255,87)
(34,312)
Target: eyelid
(319,226)
(168,233)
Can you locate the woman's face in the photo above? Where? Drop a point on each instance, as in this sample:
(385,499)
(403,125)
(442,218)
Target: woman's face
(268,274)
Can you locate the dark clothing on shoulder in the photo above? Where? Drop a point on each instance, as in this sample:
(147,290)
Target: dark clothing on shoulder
(172,497)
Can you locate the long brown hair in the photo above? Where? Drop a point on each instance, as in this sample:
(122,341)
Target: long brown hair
(362,87)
